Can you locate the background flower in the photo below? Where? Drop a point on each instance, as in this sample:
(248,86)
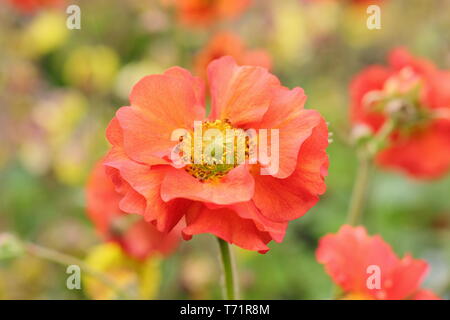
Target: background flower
(203,13)
(229,44)
(137,238)
(347,256)
(413,93)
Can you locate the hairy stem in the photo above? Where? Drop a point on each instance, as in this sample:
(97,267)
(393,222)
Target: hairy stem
(359,193)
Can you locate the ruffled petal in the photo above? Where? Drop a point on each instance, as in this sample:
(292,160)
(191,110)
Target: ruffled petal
(347,255)
(236,186)
(142,240)
(439,90)
(197,83)
(406,278)
(140,187)
(294,125)
(400,58)
(369,80)
(227,225)
(248,210)
(287,199)
(424,155)
(160,104)
(241,94)
(102,201)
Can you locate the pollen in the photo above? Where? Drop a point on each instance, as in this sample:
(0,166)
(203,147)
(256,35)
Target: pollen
(214,149)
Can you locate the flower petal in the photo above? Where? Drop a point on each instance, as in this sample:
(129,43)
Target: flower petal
(371,79)
(160,104)
(424,155)
(248,210)
(347,255)
(236,186)
(142,239)
(241,94)
(406,278)
(227,225)
(294,123)
(287,199)
(140,186)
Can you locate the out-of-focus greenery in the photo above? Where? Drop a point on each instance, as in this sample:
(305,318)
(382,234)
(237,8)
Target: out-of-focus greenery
(59,88)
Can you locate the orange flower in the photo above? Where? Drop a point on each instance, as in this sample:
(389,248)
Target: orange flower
(136,237)
(30,6)
(229,44)
(351,257)
(232,201)
(416,96)
(207,12)
(353,2)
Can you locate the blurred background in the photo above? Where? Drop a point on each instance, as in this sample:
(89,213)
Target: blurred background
(59,88)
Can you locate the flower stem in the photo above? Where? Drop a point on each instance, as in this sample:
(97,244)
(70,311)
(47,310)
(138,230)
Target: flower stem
(229,270)
(64,259)
(359,193)
(365,157)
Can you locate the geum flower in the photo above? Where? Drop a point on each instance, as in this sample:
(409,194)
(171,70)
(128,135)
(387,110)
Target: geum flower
(31,6)
(352,2)
(229,44)
(352,258)
(232,201)
(414,95)
(201,13)
(137,238)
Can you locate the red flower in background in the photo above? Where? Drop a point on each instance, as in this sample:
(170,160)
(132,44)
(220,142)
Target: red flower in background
(348,254)
(206,12)
(416,95)
(229,44)
(30,6)
(233,202)
(354,2)
(137,238)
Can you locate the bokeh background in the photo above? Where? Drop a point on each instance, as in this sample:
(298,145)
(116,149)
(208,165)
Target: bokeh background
(60,87)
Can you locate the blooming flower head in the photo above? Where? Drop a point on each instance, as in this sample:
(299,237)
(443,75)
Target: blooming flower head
(352,258)
(220,189)
(229,44)
(136,237)
(414,95)
(206,12)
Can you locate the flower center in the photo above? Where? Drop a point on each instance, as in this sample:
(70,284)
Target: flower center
(214,149)
(400,99)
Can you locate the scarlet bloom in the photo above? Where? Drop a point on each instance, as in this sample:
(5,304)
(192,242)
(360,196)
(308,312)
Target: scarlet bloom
(232,201)
(207,12)
(354,2)
(351,257)
(229,44)
(30,6)
(137,238)
(415,95)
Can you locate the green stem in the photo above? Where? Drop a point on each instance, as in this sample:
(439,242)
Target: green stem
(359,193)
(365,157)
(64,259)
(228,270)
